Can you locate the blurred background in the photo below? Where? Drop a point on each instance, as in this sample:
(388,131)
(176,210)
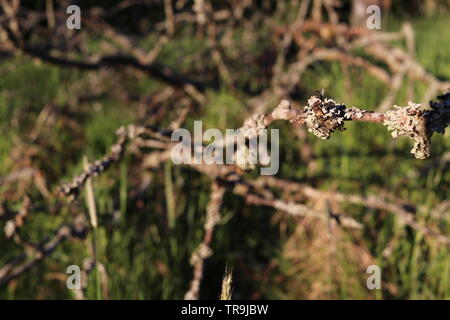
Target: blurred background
(163,64)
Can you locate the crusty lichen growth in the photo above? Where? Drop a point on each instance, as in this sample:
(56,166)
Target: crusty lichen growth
(419,124)
(323,116)
(410,121)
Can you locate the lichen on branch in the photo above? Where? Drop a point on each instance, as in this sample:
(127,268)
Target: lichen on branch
(419,124)
(323,116)
(410,121)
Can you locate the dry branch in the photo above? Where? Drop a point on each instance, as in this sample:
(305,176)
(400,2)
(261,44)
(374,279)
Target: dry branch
(322,116)
(404,214)
(125,134)
(204,250)
(158,71)
(24,262)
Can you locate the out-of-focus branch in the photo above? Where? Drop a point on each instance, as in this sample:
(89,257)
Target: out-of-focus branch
(22,263)
(158,71)
(372,201)
(72,189)
(204,250)
(12,225)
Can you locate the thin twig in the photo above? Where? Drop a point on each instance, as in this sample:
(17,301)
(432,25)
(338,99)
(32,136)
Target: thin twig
(204,250)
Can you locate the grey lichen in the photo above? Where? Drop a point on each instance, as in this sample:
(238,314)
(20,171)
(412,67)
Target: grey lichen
(410,121)
(419,124)
(323,116)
